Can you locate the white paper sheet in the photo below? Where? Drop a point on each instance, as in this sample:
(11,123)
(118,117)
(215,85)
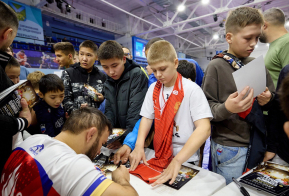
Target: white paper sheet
(253,75)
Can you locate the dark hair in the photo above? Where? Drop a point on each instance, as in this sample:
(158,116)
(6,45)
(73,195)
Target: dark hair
(85,118)
(66,47)
(22,51)
(13,63)
(10,48)
(109,50)
(187,69)
(152,41)
(89,44)
(50,83)
(284,96)
(8,17)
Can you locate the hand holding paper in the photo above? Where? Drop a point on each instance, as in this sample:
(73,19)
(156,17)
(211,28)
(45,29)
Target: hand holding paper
(253,75)
(264,97)
(236,102)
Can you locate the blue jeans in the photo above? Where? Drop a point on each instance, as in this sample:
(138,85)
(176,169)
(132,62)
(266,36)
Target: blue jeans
(228,161)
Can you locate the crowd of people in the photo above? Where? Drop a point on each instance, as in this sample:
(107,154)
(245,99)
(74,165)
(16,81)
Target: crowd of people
(162,107)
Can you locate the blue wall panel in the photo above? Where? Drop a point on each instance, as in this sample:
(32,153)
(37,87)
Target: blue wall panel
(59,28)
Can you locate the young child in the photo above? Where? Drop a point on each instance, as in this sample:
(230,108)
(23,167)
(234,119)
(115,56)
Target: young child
(181,115)
(34,78)
(64,52)
(12,70)
(48,111)
(125,88)
(78,76)
(230,131)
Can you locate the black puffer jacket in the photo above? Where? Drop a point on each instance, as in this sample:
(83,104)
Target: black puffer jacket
(124,97)
(73,79)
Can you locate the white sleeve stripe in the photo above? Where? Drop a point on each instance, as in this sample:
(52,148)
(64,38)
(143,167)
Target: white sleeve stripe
(21,124)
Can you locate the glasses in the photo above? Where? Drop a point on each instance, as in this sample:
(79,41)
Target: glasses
(126,54)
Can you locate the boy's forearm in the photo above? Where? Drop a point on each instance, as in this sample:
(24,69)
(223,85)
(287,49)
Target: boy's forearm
(196,140)
(144,128)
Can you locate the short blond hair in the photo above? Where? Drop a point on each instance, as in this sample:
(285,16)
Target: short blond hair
(242,17)
(34,78)
(161,51)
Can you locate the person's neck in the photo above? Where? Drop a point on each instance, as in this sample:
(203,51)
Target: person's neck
(72,140)
(173,81)
(233,53)
(89,70)
(68,65)
(276,33)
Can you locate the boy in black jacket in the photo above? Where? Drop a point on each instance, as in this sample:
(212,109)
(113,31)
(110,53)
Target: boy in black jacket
(9,125)
(78,76)
(125,88)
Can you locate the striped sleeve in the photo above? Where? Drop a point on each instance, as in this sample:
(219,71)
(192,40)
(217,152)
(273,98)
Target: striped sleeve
(22,123)
(98,187)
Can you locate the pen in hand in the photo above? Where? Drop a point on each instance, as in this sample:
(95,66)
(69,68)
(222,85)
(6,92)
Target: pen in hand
(119,163)
(242,189)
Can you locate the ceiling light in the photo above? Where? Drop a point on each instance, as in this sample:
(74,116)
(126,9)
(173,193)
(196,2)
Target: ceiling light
(181,8)
(205,2)
(216,36)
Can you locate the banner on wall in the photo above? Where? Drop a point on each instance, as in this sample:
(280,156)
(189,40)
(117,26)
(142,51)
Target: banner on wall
(36,59)
(30,28)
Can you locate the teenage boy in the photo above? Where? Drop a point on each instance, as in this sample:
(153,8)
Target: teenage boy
(275,33)
(181,115)
(48,112)
(9,125)
(125,88)
(63,165)
(74,78)
(12,70)
(64,52)
(230,130)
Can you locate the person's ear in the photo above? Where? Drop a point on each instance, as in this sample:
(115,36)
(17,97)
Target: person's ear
(40,94)
(229,37)
(176,63)
(124,59)
(90,134)
(265,26)
(70,56)
(286,128)
(8,32)
(96,57)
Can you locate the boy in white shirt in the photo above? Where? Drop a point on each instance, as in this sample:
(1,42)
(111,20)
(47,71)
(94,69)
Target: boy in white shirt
(181,113)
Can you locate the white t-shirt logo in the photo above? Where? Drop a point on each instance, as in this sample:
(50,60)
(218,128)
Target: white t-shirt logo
(175,92)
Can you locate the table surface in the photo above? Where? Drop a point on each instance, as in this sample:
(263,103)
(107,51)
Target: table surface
(204,183)
(232,189)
